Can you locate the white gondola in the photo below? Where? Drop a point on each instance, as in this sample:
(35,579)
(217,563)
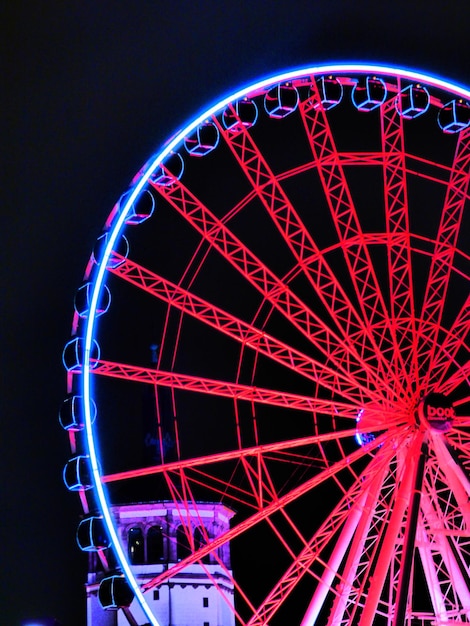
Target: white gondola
(454,116)
(242,114)
(281,100)
(369,93)
(412,101)
(203,140)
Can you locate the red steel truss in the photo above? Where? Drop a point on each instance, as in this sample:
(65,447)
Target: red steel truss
(241,331)
(325,283)
(269,285)
(444,250)
(237,391)
(397,226)
(343,211)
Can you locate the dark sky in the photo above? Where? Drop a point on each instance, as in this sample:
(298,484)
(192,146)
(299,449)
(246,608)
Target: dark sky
(90,90)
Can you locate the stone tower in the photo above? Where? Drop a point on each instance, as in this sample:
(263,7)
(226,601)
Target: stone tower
(157,535)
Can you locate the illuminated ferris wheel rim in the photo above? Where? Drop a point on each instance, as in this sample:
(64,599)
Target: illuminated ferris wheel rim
(119,219)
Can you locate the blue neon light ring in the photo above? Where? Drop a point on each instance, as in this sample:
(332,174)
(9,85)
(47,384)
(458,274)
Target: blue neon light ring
(117,225)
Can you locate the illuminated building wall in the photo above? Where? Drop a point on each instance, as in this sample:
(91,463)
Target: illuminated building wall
(199,595)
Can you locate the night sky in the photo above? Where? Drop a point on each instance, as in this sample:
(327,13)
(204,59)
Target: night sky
(90,90)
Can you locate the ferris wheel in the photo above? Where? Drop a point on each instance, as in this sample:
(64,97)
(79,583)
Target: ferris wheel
(276,318)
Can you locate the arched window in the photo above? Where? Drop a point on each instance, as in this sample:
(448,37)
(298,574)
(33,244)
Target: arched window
(155,544)
(183,548)
(135,546)
(200,541)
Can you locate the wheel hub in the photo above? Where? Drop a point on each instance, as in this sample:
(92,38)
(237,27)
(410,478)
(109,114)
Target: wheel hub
(436,412)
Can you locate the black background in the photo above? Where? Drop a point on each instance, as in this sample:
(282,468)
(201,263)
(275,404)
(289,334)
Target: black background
(89,91)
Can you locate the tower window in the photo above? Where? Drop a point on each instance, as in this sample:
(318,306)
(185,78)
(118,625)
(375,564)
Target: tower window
(183,548)
(200,535)
(156,594)
(135,546)
(155,544)
(205,602)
